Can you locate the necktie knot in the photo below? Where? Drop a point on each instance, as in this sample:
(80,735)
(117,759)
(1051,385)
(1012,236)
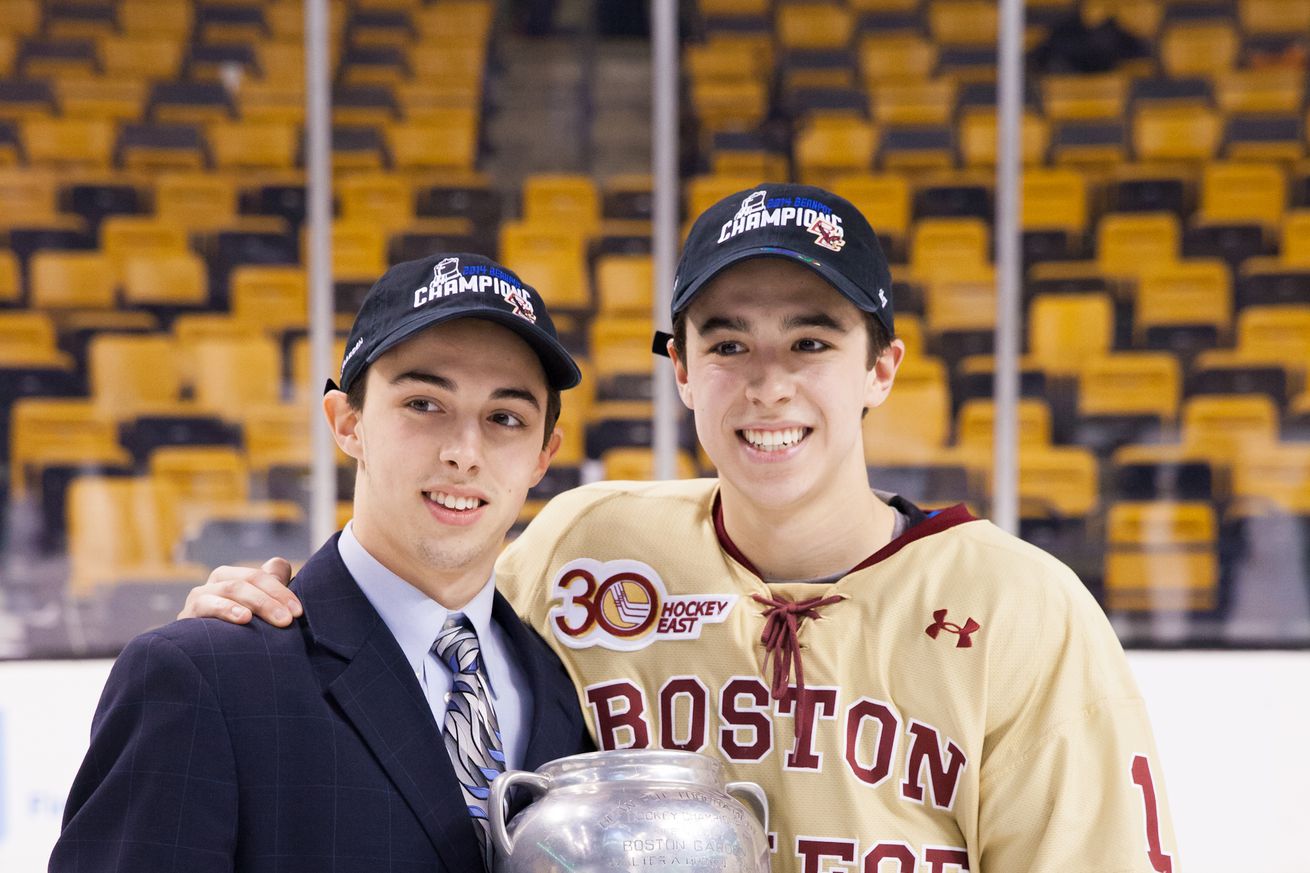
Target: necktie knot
(457,646)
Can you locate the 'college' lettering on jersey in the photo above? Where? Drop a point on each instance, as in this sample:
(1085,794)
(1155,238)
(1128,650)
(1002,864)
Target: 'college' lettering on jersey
(625,606)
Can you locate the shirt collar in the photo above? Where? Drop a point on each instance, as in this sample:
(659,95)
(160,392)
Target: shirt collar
(413,618)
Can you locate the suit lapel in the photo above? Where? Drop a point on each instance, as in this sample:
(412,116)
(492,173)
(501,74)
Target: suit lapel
(379,695)
(554,702)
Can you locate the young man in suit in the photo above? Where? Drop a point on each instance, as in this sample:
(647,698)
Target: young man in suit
(365,739)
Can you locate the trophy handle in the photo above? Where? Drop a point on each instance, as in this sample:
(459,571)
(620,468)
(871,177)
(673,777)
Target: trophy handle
(500,786)
(754,797)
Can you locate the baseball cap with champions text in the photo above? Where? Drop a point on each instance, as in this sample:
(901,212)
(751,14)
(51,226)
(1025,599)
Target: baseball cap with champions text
(801,223)
(442,287)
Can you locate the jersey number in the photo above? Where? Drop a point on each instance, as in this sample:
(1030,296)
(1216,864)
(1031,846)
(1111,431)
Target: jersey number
(1160,861)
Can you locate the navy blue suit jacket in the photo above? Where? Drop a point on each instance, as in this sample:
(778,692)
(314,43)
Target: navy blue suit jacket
(221,747)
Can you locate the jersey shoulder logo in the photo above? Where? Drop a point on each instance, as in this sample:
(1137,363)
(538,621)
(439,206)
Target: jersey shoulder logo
(964,632)
(624,606)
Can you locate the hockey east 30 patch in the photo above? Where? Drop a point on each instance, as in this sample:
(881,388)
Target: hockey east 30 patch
(624,606)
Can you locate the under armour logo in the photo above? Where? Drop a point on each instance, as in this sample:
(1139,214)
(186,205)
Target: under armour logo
(964,633)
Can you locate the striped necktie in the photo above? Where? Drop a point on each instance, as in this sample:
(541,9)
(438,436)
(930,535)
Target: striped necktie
(471,731)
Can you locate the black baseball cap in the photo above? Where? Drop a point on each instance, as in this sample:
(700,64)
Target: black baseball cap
(802,223)
(443,287)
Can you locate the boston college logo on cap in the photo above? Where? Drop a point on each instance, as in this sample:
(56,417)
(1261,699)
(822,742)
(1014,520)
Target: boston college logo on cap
(829,235)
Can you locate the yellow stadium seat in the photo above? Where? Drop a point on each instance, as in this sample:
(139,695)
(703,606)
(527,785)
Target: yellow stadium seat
(1189,293)
(625,285)
(963,303)
(20,17)
(134,374)
(813,26)
(1084,97)
(202,476)
(928,102)
(57,432)
(555,260)
(1233,193)
(948,248)
(30,197)
(1263,90)
(118,527)
(171,18)
(11,288)
(1130,384)
(724,58)
(915,420)
(275,296)
(909,330)
(1273,17)
(1161,557)
(1064,330)
(827,147)
(978,138)
(165,279)
(563,200)
(150,57)
(455,20)
(734,8)
(634,464)
(620,347)
(1054,198)
(359,251)
(1199,48)
(1128,243)
(962,22)
(1295,247)
(1228,426)
(196,202)
(896,56)
(384,200)
(72,280)
(1169,133)
(277,435)
(1280,474)
(249,145)
(122,236)
(1063,481)
(7,52)
(729,105)
(1276,332)
(446,138)
(976,423)
(28,339)
(272,100)
(70,143)
(231,375)
(119,98)
(883,198)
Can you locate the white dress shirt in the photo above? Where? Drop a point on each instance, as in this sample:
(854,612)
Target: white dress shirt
(414,619)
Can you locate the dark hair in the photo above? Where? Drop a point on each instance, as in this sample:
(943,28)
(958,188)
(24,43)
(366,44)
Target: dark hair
(355,397)
(879,338)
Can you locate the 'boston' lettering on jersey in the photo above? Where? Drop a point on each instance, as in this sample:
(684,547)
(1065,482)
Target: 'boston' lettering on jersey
(759,211)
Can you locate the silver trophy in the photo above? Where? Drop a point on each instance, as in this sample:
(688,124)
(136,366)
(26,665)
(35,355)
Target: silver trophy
(630,810)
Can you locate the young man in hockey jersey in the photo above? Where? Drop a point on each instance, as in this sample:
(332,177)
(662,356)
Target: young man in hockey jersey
(915,691)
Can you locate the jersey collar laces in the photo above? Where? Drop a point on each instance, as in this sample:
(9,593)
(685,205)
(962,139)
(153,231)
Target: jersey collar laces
(781,645)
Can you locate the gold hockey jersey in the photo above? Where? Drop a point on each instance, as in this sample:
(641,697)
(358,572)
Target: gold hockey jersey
(959,701)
